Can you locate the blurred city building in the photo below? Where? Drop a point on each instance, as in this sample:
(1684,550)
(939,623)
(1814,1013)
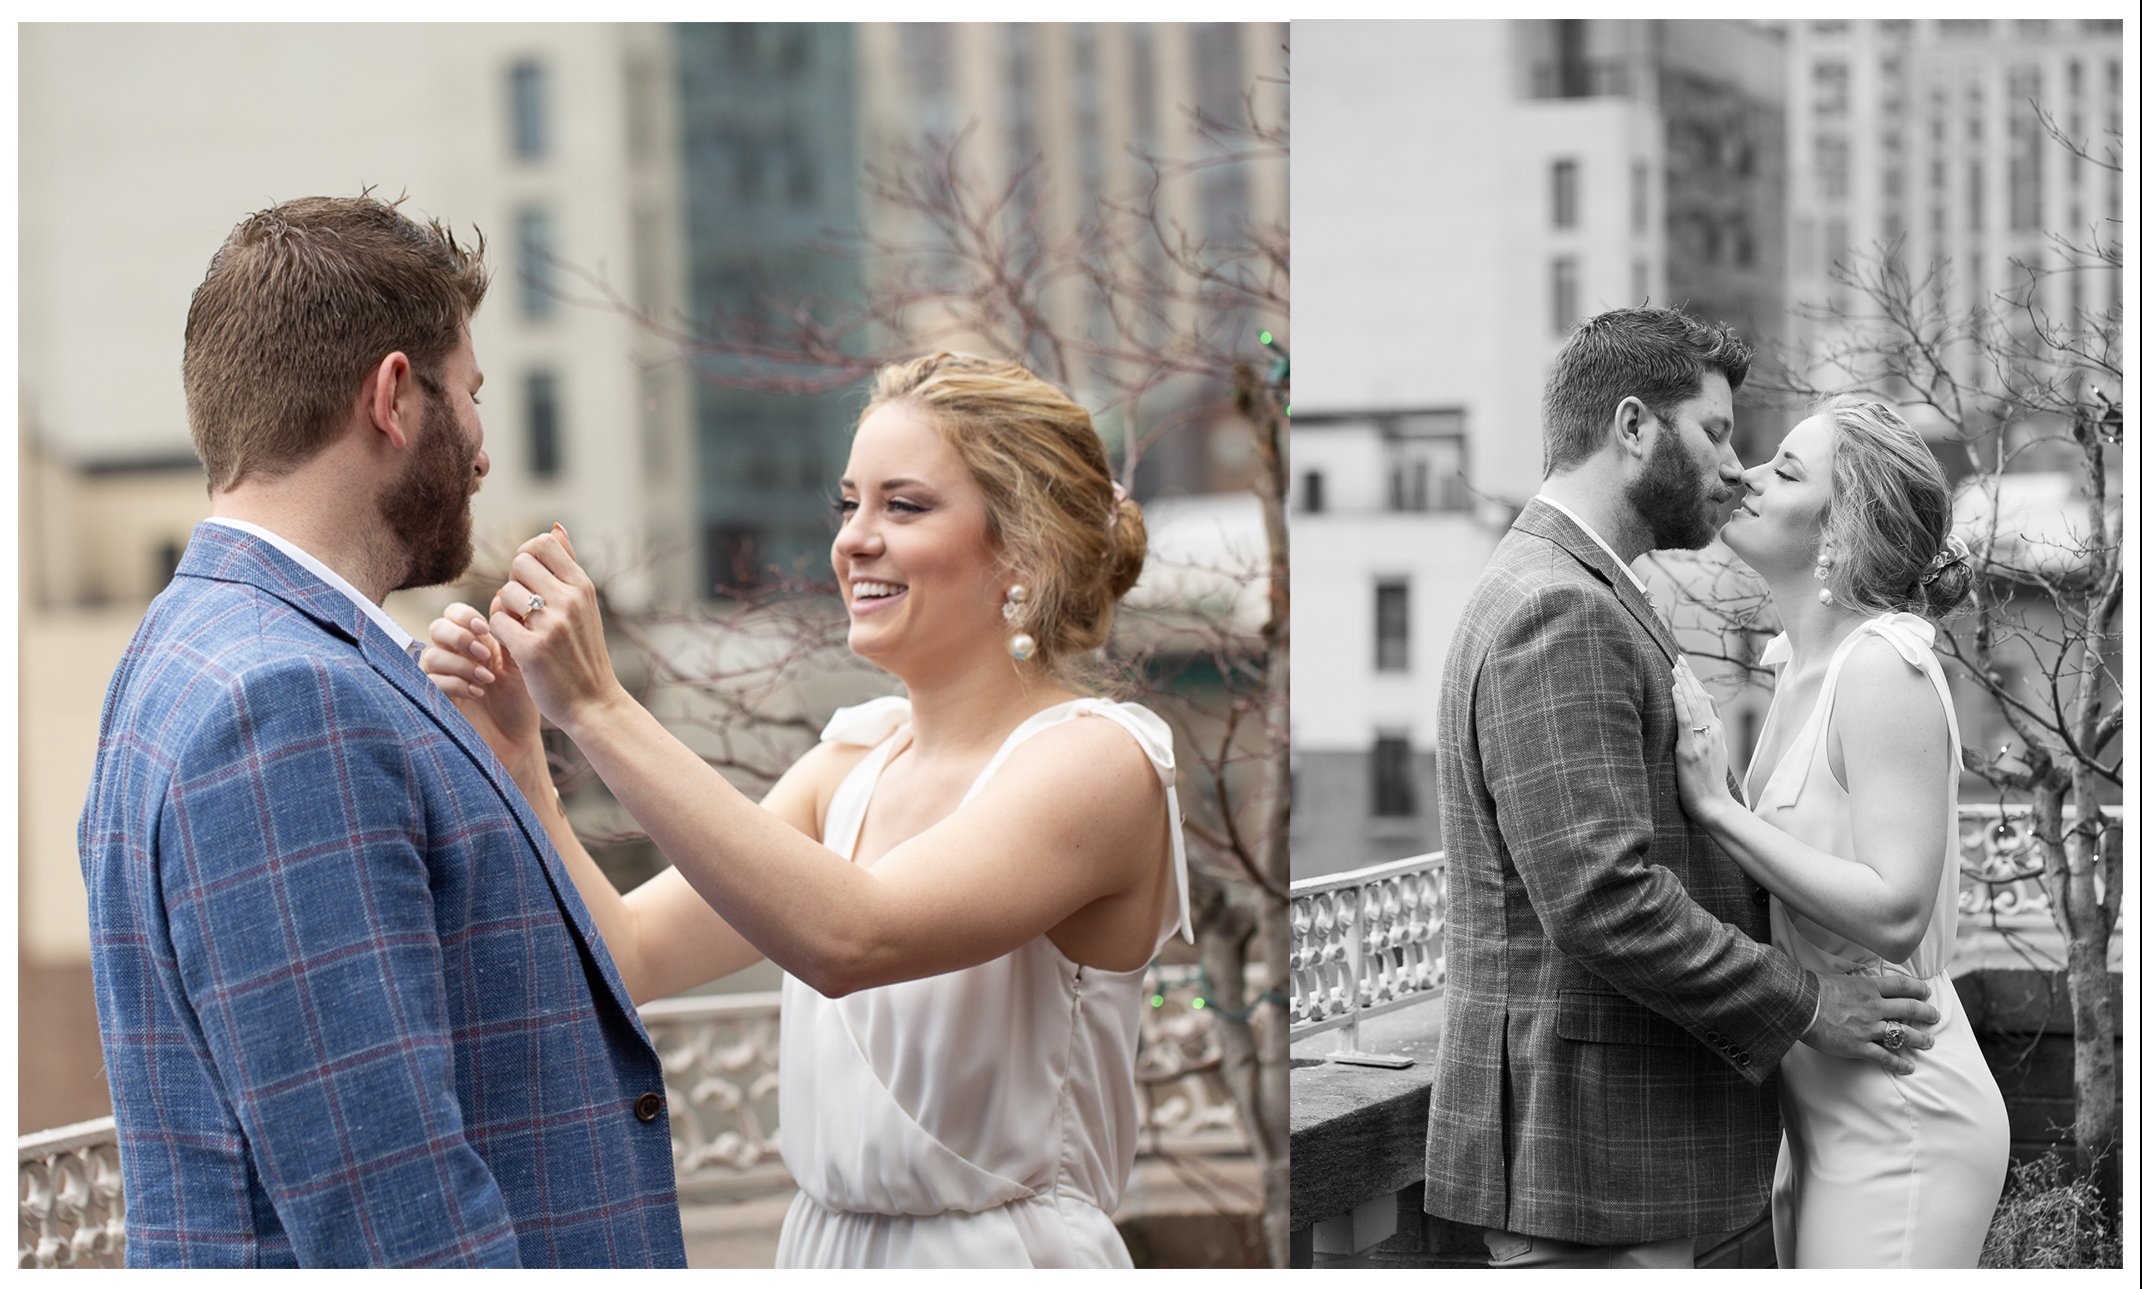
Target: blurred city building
(1921,139)
(636,184)
(1479,189)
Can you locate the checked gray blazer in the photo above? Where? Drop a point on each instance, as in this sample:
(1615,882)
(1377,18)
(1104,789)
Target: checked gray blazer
(1612,1014)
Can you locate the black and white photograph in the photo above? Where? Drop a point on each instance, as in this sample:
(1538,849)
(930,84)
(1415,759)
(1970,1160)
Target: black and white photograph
(1707,474)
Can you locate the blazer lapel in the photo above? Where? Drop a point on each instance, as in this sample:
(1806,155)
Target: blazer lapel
(229,555)
(401,671)
(1544,520)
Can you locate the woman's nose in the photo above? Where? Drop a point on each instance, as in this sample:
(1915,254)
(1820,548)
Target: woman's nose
(857,536)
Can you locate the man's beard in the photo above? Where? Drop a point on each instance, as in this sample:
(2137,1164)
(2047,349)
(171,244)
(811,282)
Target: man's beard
(1673,496)
(427,507)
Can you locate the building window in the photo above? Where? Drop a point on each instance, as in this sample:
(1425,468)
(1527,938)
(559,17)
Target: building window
(1639,196)
(167,561)
(1562,188)
(1564,276)
(543,437)
(1312,492)
(526,85)
(1394,650)
(1833,89)
(1639,281)
(732,555)
(536,252)
(1391,777)
(1833,167)
(1424,462)
(1743,243)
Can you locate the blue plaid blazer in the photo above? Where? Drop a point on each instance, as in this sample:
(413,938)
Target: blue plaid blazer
(1613,1015)
(353,1011)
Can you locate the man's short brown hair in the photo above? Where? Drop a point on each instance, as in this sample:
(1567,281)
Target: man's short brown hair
(300,303)
(1659,356)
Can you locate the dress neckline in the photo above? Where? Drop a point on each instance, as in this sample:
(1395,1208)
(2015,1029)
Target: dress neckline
(903,738)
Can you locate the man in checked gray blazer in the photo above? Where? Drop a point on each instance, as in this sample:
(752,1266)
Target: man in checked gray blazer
(1613,1014)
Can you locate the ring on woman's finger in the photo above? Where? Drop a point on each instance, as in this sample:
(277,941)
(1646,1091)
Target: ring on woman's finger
(1699,729)
(1892,1036)
(534,602)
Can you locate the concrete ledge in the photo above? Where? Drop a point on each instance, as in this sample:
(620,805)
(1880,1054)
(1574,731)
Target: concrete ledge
(1357,1133)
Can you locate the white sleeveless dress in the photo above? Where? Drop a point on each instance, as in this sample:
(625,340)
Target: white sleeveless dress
(1877,1170)
(980,1118)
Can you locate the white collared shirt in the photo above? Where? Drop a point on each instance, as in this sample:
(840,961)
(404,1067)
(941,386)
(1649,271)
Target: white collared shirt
(402,639)
(1634,580)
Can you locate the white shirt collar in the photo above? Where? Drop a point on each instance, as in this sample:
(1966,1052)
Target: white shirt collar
(402,639)
(1634,580)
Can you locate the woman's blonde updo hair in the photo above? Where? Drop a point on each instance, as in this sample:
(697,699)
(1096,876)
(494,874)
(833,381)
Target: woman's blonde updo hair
(1045,479)
(1888,519)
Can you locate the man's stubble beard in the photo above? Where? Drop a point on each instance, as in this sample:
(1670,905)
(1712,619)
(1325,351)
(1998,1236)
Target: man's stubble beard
(1673,496)
(427,508)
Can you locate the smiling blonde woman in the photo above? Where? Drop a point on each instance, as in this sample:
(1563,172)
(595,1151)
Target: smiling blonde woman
(964,885)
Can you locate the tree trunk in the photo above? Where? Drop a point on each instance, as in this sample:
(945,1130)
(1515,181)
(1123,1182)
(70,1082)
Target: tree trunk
(2082,896)
(1276,798)
(2074,878)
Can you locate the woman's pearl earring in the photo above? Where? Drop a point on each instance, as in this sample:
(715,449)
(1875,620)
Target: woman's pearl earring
(1822,574)
(1022,644)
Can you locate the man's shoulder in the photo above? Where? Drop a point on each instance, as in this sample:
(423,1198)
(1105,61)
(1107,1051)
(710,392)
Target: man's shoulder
(1531,575)
(205,644)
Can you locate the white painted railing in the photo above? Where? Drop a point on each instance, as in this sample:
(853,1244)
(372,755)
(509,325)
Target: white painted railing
(721,1063)
(1371,941)
(1366,942)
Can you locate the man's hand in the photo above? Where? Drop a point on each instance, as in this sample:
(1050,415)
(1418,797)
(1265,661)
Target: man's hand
(1854,1013)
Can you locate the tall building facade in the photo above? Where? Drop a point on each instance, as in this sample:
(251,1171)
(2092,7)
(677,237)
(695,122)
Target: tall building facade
(1922,139)
(1083,104)
(771,169)
(1482,188)
(791,131)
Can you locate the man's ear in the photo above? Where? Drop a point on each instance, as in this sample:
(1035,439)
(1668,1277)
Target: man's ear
(391,398)
(1630,416)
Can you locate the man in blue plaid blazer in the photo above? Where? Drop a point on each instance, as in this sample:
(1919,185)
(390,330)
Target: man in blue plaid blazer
(353,1011)
(1613,1011)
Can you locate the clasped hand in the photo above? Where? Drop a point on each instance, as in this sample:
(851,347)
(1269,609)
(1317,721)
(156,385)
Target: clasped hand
(540,647)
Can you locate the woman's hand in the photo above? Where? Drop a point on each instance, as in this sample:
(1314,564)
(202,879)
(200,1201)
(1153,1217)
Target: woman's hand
(550,623)
(1700,751)
(470,667)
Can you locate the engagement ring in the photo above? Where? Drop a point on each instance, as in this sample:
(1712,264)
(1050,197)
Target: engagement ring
(534,602)
(1699,729)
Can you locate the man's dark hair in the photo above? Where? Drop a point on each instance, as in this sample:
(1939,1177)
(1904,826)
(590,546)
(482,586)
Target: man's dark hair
(1656,355)
(300,303)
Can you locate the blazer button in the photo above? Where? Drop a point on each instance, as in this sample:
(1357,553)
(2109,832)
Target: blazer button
(648,1106)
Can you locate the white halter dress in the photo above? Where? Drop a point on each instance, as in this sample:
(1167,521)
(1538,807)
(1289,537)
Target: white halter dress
(980,1118)
(1877,1170)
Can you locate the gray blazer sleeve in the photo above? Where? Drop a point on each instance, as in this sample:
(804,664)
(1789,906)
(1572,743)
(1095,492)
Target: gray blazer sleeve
(1561,738)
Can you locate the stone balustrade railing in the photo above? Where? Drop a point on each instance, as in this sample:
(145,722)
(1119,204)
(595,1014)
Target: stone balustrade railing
(721,1062)
(1370,941)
